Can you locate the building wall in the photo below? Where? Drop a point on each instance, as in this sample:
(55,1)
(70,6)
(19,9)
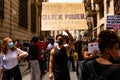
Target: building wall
(108,10)
(117,7)
(101,25)
(10,24)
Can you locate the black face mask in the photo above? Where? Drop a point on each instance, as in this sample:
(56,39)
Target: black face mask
(60,41)
(115,61)
(52,42)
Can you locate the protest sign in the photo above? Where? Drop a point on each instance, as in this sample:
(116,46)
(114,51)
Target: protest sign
(58,16)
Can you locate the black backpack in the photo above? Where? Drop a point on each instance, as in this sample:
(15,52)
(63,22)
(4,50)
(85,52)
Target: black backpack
(95,76)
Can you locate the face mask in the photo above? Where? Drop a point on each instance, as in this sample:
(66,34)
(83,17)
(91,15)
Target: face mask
(116,60)
(10,44)
(111,59)
(52,42)
(60,41)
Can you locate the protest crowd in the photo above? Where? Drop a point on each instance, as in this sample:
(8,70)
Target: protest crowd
(92,59)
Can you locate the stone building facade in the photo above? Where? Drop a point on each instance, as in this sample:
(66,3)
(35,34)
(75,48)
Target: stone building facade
(97,12)
(19,19)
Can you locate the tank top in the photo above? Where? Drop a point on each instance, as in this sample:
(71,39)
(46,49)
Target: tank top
(60,64)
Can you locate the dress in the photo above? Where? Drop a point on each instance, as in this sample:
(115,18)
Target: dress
(60,64)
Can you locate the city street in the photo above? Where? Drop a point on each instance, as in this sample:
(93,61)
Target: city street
(26,73)
(59,32)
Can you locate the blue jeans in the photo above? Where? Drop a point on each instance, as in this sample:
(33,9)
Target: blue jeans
(80,68)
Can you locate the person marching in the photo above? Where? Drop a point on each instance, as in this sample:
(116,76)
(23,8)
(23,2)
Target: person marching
(58,65)
(11,56)
(105,66)
(33,57)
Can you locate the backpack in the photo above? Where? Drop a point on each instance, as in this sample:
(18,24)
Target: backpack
(95,76)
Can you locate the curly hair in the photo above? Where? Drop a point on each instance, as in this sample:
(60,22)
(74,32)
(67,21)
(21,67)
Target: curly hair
(107,39)
(5,48)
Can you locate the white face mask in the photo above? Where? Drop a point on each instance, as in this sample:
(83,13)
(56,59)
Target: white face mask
(10,44)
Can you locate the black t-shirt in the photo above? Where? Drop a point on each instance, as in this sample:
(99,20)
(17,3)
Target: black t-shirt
(78,49)
(33,52)
(99,69)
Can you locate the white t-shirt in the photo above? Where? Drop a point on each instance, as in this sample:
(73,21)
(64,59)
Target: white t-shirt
(10,59)
(50,47)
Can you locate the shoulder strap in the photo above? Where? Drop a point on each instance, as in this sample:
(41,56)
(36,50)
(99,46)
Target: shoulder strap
(93,75)
(90,67)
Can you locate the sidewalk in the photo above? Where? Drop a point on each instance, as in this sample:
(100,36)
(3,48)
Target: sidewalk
(25,73)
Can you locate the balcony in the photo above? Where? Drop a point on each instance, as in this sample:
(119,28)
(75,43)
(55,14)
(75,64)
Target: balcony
(117,7)
(91,10)
(97,1)
(91,13)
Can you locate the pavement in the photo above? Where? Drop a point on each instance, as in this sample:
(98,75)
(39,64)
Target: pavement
(26,74)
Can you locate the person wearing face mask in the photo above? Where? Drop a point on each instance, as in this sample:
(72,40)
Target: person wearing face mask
(58,65)
(50,46)
(105,65)
(11,56)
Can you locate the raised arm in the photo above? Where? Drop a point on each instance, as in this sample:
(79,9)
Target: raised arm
(71,41)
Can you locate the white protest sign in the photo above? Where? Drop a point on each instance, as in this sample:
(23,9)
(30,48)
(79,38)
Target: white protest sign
(58,16)
(92,47)
(113,22)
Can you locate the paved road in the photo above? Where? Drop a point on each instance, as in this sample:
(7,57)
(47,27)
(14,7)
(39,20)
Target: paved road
(72,75)
(26,74)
